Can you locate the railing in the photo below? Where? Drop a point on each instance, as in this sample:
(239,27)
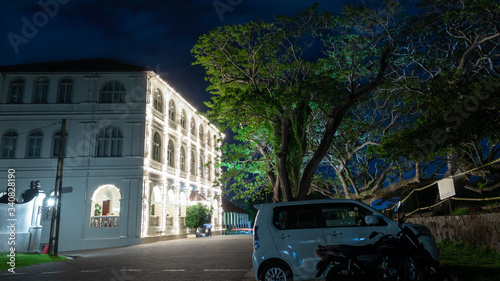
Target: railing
(154,221)
(172,124)
(158,114)
(171,170)
(104,221)
(192,177)
(169,220)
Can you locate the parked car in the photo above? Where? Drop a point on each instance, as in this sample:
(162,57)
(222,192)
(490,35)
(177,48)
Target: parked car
(287,234)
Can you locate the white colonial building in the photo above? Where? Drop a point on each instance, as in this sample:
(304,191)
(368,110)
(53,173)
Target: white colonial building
(135,151)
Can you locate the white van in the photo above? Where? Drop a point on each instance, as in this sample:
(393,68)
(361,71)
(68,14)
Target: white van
(287,234)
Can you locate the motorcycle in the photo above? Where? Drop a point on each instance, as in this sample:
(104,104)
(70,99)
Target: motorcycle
(399,257)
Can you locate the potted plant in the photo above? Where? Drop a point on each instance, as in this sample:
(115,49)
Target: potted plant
(97,210)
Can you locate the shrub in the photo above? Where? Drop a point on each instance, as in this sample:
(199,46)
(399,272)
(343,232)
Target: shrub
(460,211)
(197,215)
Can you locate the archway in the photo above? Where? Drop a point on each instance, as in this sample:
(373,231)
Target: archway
(105,207)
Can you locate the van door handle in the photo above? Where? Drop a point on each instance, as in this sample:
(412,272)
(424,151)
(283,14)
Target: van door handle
(284,236)
(336,233)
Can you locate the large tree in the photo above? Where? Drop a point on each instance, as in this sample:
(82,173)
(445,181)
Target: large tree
(455,46)
(272,85)
(359,172)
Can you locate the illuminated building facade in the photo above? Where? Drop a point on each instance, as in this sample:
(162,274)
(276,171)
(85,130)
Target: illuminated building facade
(135,150)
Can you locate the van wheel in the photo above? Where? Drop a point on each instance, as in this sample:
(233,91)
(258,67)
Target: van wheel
(276,272)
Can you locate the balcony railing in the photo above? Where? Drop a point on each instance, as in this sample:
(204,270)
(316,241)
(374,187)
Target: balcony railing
(172,124)
(154,221)
(171,170)
(104,221)
(169,220)
(192,177)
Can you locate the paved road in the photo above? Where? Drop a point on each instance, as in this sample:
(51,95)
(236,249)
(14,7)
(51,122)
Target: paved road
(212,258)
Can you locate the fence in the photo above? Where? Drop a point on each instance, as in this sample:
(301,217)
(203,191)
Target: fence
(481,230)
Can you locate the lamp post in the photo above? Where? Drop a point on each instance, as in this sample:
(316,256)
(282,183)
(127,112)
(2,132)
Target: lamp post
(56,216)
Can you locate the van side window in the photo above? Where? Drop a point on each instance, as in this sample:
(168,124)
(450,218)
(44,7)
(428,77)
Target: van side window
(294,217)
(336,215)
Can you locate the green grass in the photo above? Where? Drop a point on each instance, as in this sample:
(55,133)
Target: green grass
(25,259)
(460,211)
(470,263)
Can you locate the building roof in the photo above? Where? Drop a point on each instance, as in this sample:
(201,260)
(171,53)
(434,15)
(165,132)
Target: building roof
(230,207)
(196,196)
(83,65)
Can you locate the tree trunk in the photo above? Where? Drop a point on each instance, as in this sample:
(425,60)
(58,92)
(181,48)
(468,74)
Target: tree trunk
(282,160)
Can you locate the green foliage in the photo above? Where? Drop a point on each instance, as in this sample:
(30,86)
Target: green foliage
(97,209)
(26,259)
(197,215)
(460,211)
(456,48)
(469,262)
(283,98)
(460,112)
(387,90)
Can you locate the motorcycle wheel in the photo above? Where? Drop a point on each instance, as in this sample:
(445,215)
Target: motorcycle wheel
(415,271)
(340,272)
(388,268)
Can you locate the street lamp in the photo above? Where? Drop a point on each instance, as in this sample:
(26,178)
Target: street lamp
(50,202)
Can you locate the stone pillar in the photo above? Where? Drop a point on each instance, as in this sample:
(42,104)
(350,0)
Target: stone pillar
(35,229)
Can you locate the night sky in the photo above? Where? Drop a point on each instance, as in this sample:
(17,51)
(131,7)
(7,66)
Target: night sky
(155,34)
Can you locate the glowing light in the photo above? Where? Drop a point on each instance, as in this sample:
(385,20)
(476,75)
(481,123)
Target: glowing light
(51,202)
(174,206)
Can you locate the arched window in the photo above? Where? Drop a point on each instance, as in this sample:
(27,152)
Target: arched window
(200,133)
(193,164)
(183,159)
(9,141)
(156,204)
(34,143)
(170,154)
(109,142)
(156,147)
(105,207)
(202,174)
(193,127)
(113,92)
(65,91)
(171,110)
(158,101)
(41,90)
(16,91)
(56,144)
(183,119)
